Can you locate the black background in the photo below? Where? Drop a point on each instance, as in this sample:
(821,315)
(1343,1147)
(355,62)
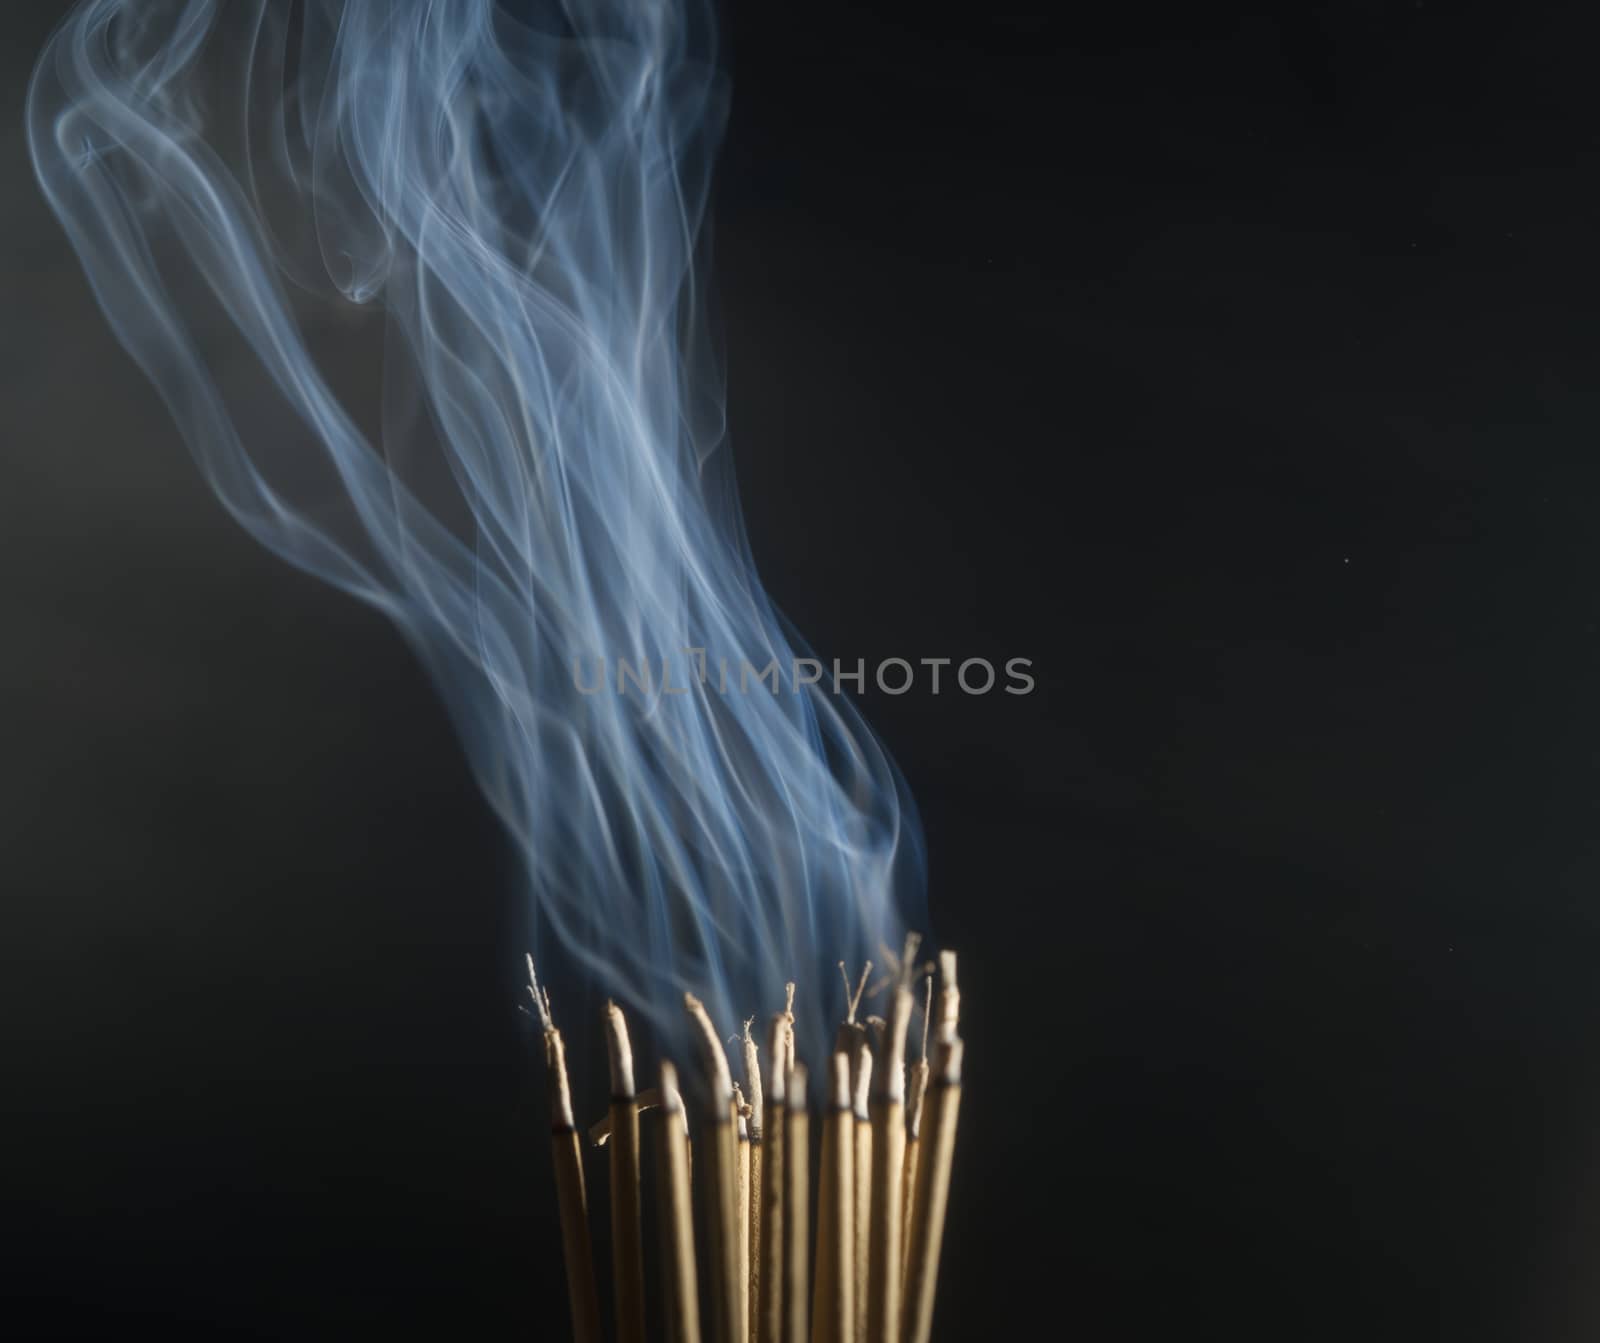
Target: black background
(1239,369)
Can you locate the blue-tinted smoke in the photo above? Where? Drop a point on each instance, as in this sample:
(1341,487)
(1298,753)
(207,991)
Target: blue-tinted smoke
(516,192)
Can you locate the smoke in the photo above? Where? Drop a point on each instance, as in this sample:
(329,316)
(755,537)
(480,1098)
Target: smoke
(506,201)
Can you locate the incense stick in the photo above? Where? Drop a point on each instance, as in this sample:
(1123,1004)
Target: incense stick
(933,1179)
(752,1080)
(888,1163)
(722,1182)
(741,1212)
(566,1150)
(627,1250)
(852,1037)
(796,1204)
(677,1215)
(833,1314)
(861,1079)
(769,1316)
(949,998)
(915,1088)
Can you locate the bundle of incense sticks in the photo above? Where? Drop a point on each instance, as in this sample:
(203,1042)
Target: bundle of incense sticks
(737,1251)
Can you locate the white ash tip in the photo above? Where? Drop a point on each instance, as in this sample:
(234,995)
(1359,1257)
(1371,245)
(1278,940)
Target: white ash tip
(839,1094)
(949,997)
(891,1076)
(862,1068)
(560,1090)
(671,1097)
(795,1097)
(947,1064)
(540,996)
(777,1059)
(716,1058)
(619,1053)
(752,1079)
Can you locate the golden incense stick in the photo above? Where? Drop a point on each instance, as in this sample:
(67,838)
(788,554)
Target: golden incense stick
(769,1316)
(949,999)
(861,1084)
(796,1204)
(915,1088)
(933,1179)
(853,1038)
(833,1315)
(627,1249)
(741,1211)
(677,1215)
(884,1263)
(566,1150)
(752,1080)
(722,1181)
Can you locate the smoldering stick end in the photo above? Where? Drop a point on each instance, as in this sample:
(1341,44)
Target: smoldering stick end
(752,1079)
(619,1053)
(671,1097)
(719,1075)
(839,1094)
(776,1078)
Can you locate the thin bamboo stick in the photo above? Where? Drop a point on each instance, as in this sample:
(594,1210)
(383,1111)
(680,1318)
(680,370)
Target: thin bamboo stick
(769,1317)
(722,1182)
(566,1150)
(933,1179)
(852,1037)
(741,1212)
(796,1205)
(833,1314)
(887,1107)
(861,1084)
(627,1249)
(916,1087)
(754,1125)
(677,1215)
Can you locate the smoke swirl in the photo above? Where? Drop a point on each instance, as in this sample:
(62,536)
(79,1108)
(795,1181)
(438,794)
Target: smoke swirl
(507,200)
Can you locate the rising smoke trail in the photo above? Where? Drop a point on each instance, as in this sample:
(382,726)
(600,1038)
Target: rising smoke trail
(512,194)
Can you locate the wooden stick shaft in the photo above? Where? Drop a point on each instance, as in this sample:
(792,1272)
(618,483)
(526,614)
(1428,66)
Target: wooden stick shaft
(908,1190)
(775,1145)
(627,1248)
(833,1314)
(933,1193)
(723,1191)
(567,1152)
(796,1210)
(884,1258)
(677,1232)
(860,1260)
(757,1163)
(742,1238)
(770,1315)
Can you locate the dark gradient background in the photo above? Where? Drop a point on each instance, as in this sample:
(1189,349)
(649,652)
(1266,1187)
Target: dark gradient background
(1242,371)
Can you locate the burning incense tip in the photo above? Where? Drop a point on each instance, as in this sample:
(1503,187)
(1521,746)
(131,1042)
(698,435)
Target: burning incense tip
(619,1053)
(777,1060)
(720,1075)
(839,1092)
(949,997)
(752,1079)
(671,1097)
(540,996)
(861,1070)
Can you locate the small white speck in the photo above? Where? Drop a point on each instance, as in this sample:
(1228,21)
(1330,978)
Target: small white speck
(1347,559)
